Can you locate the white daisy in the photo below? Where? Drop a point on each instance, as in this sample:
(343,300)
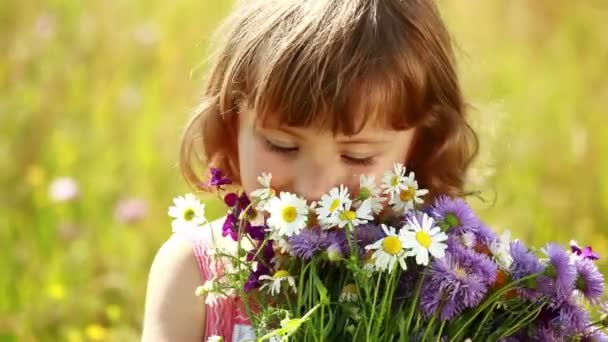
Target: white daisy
(274,283)
(215,338)
(188,212)
(409,195)
(424,238)
(389,250)
(393,182)
(369,191)
(501,250)
(211,293)
(362,215)
(333,202)
(265,193)
(349,294)
(288,214)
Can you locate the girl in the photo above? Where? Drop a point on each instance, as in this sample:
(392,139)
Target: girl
(315,92)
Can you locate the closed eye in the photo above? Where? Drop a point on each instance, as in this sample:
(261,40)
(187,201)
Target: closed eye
(358,161)
(279,149)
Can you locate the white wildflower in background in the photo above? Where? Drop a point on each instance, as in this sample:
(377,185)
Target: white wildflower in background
(63,189)
(389,250)
(215,338)
(131,210)
(188,213)
(424,238)
(288,214)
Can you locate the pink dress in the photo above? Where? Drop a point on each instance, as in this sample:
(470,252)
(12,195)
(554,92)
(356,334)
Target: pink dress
(227,317)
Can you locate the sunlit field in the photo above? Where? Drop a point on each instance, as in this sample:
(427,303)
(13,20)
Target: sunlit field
(94,97)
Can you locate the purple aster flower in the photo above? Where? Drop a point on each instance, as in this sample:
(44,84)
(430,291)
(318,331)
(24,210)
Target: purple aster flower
(456,282)
(589,280)
(585,253)
(524,264)
(594,335)
(218,178)
(565,317)
(455,214)
(545,333)
(559,276)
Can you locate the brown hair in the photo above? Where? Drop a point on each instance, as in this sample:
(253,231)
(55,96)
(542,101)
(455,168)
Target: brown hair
(323,62)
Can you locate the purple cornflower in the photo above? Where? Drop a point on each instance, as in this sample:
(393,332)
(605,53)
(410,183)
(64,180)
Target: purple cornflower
(589,280)
(585,253)
(218,178)
(524,264)
(456,282)
(455,214)
(314,240)
(559,276)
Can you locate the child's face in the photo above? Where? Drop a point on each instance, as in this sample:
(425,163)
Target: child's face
(308,162)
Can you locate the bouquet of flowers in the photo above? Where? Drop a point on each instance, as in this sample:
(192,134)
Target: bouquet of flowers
(378,264)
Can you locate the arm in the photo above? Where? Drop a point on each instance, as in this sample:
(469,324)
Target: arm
(173,312)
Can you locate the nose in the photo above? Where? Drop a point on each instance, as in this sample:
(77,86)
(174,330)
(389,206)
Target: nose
(313,181)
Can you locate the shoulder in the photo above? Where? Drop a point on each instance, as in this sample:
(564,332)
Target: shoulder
(172,311)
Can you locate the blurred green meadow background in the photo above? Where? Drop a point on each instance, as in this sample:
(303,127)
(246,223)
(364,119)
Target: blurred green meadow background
(94,96)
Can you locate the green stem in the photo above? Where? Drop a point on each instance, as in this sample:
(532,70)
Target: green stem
(371,319)
(412,309)
(490,300)
(441,331)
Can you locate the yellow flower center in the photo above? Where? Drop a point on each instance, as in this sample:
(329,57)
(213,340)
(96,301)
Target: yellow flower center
(407,194)
(348,215)
(188,214)
(395,181)
(280,274)
(392,245)
(334,205)
(289,214)
(460,273)
(423,239)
